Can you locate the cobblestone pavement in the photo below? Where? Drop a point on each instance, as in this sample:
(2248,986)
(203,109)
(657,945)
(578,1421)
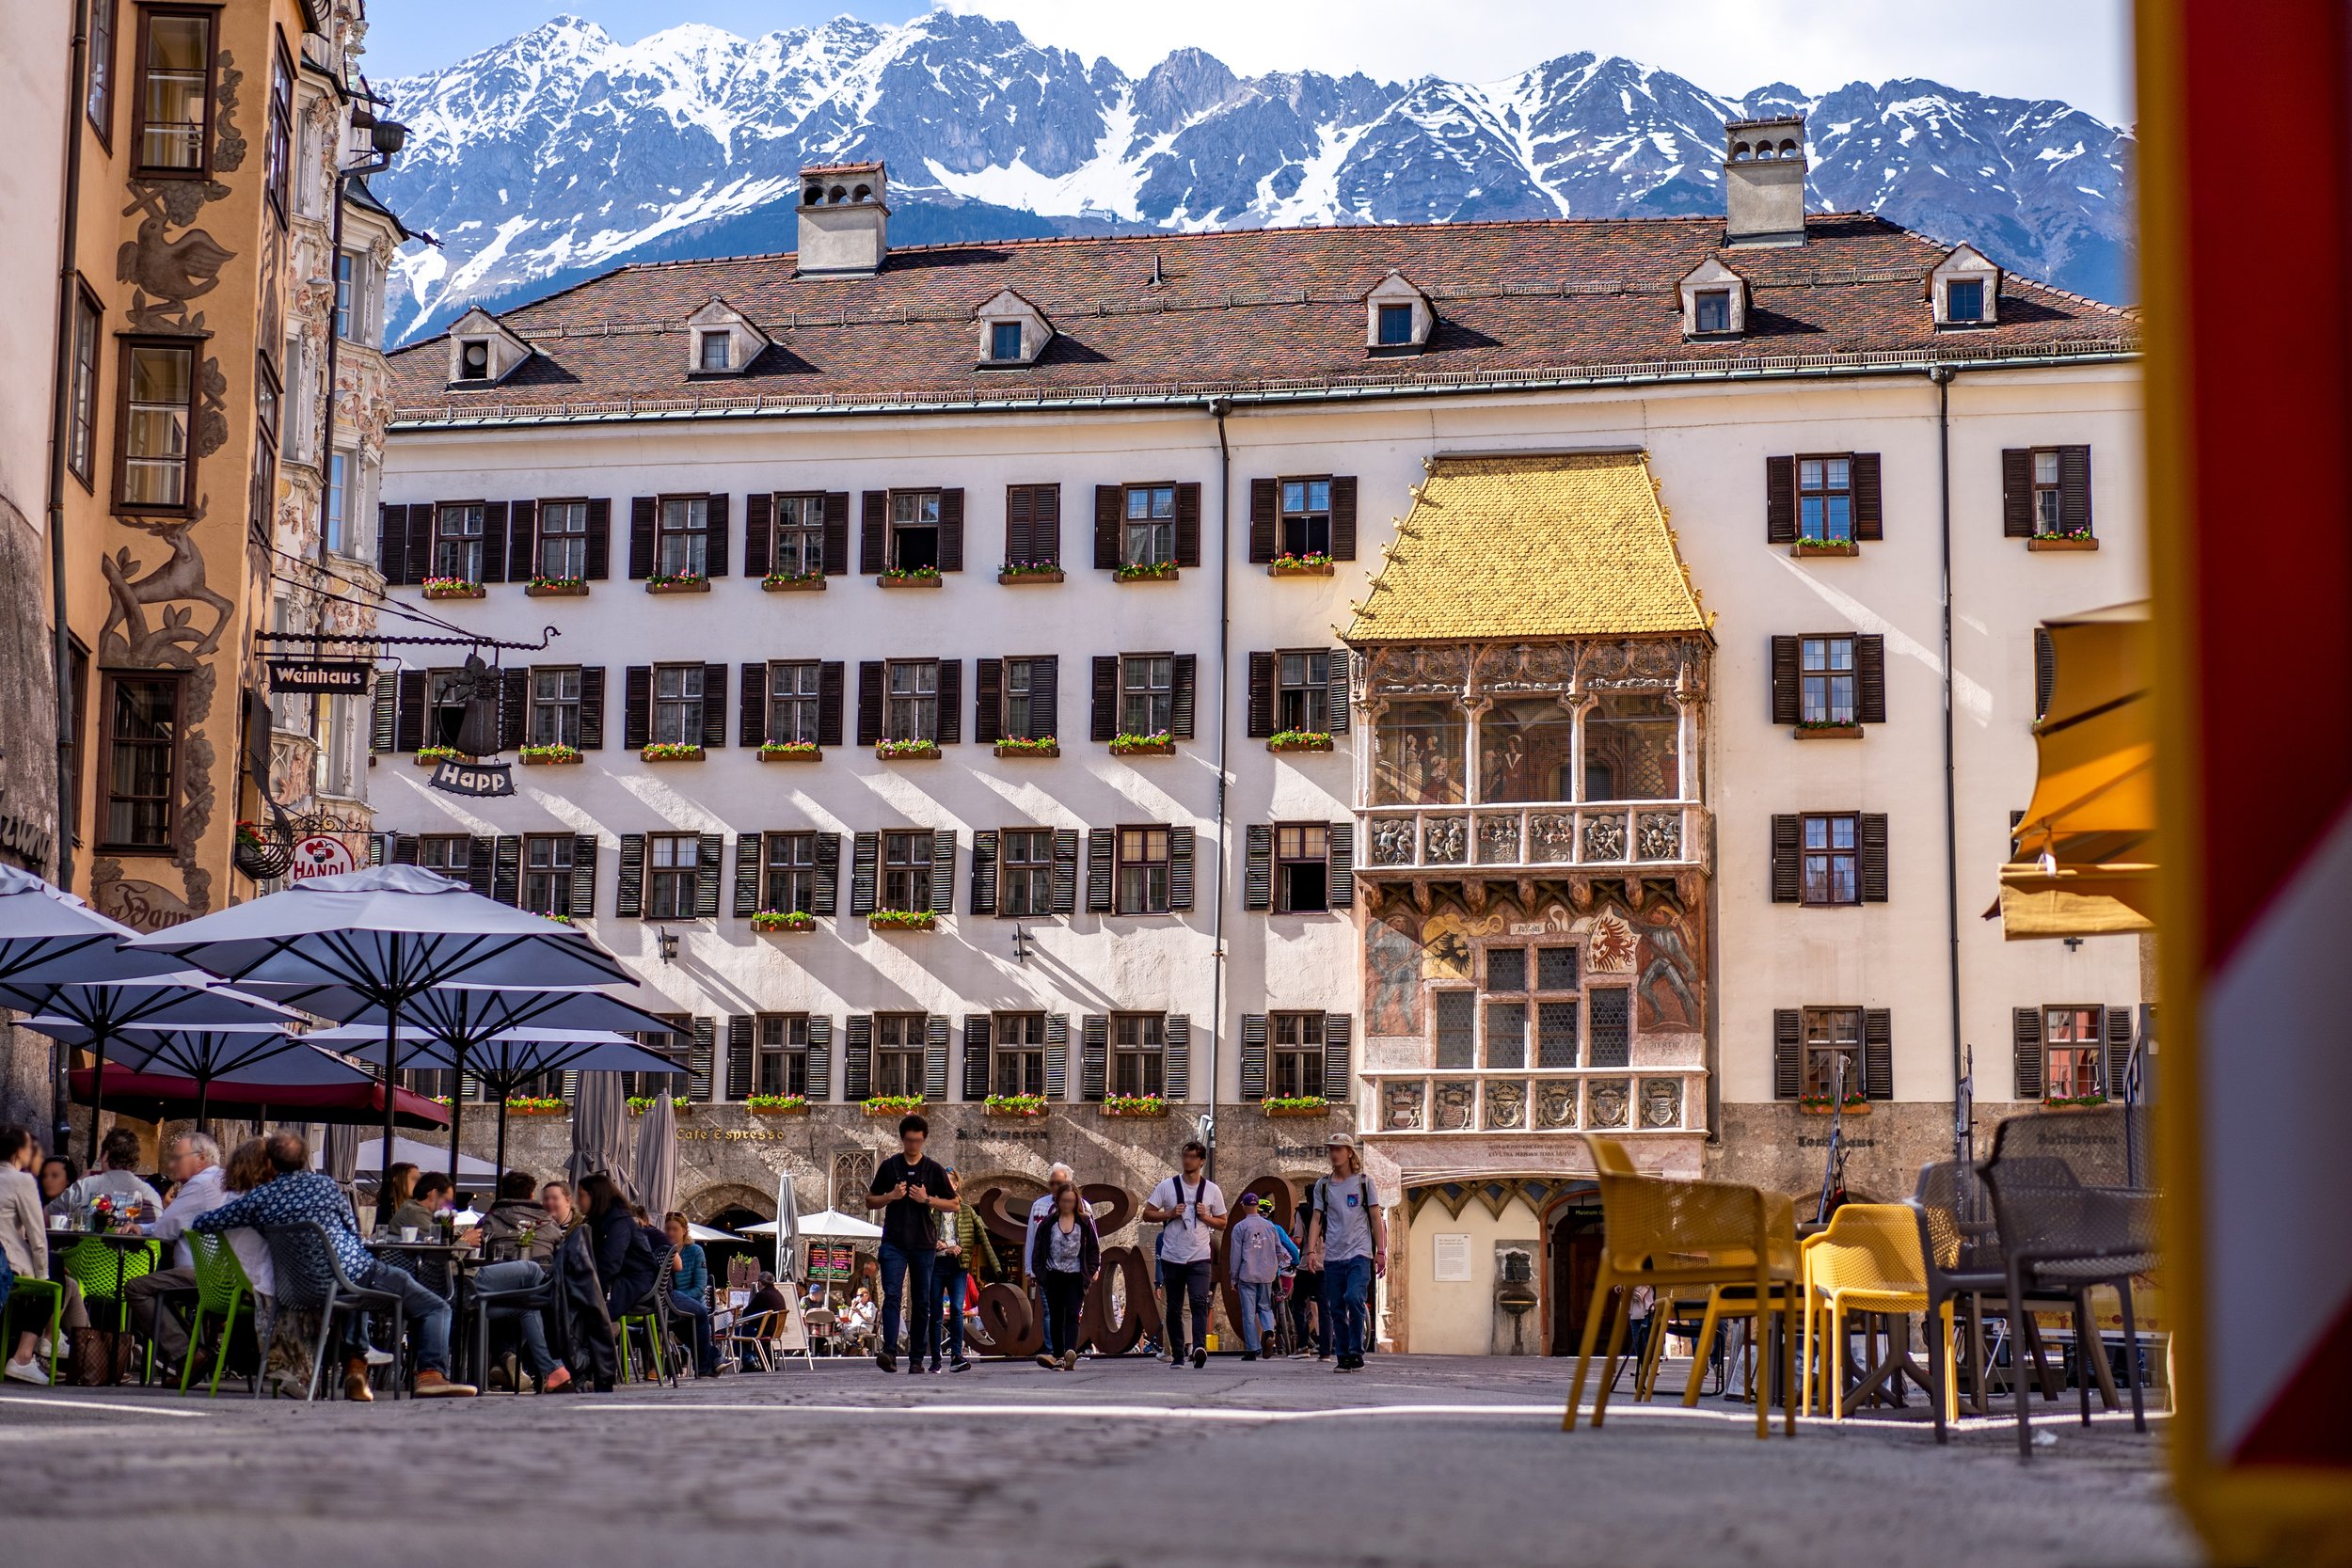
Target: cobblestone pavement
(1418,1460)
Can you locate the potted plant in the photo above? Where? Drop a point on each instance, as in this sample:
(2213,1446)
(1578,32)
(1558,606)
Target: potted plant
(1025,1106)
(1829,729)
(640,1103)
(905,751)
(1146,571)
(430,756)
(1021,746)
(534,1105)
(891,1104)
(789,921)
(556,588)
(794,583)
(2073,1102)
(2064,539)
(1298,740)
(452,588)
(1159,745)
(1856,1105)
(677,583)
(902,920)
(1138,1105)
(547,757)
(788,751)
(1312,565)
(777,1105)
(671,751)
(911,576)
(1295,1105)
(1812,545)
(1029,571)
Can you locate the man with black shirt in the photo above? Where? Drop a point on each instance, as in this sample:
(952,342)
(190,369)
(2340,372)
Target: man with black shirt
(911,1188)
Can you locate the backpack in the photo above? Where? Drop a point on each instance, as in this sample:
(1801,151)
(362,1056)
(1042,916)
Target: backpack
(1159,1248)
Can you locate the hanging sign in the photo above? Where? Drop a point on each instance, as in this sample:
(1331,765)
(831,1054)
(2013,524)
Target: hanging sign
(333,677)
(482,780)
(320,855)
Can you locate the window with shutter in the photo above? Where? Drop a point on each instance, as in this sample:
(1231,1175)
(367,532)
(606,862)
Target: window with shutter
(1833,1052)
(784,1058)
(592,709)
(1094,1036)
(1787,1053)
(548,864)
(900,1047)
(1138,1053)
(1253,1056)
(820,1058)
(1066,871)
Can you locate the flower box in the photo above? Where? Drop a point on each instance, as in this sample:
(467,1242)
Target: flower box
(535,1105)
(433,756)
(1824,546)
(1819,1105)
(1018,1107)
(2074,1103)
(681,584)
(777,1105)
(670,750)
(639,1104)
(556,588)
(1048,747)
(453,588)
(902,920)
(921,577)
(789,582)
(1143,1107)
(2061,542)
(1156,571)
(549,756)
(906,751)
(891,1104)
(1161,745)
(1013,572)
(1299,566)
(1297,1105)
(1828,732)
(1300,740)
(789,921)
(789,750)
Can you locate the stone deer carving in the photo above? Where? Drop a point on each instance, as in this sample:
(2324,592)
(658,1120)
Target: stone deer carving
(175,639)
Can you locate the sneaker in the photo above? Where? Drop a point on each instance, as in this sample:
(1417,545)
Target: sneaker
(915,1368)
(1070,1361)
(934,1365)
(43,1349)
(379,1357)
(887,1362)
(1302,1355)
(1176,1363)
(959,1365)
(433,1386)
(28,1371)
(1342,1366)
(1249,1355)
(355,1381)
(1047,1362)
(1200,1355)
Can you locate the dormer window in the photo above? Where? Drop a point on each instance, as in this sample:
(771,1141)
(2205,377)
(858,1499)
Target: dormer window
(1396,325)
(1965,290)
(720,340)
(1013,332)
(714,351)
(1714,301)
(482,350)
(1963,300)
(473,359)
(1398,316)
(1711,310)
(1004,340)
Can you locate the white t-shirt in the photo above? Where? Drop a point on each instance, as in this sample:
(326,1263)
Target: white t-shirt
(1186,1240)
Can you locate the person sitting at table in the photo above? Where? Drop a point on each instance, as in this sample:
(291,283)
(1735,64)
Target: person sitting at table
(761,1315)
(433,1196)
(515,1213)
(860,1319)
(399,1182)
(556,1198)
(690,1290)
(192,1160)
(58,1173)
(296,1195)
(625,1264)
(117,1177)
(25,1254)
(248,1167)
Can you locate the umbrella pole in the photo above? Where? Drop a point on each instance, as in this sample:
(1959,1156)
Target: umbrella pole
(97,1096)
(203,1092)
(500,1178)
(456,1110)
(391,1058)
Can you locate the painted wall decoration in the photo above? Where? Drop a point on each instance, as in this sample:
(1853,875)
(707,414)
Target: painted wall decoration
(1392,962)
(173,638)
(1667,971)
(1612,946)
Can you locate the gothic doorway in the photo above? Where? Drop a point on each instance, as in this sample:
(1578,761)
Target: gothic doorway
(1572,1239)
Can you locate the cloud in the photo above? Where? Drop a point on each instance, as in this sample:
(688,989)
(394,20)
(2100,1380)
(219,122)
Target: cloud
(2077,50)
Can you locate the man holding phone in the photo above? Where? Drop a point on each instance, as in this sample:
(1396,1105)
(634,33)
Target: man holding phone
(1189,1209)
(911,1188)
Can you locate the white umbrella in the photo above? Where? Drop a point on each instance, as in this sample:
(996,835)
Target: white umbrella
(832,1224)
(787,1229)
(704,1233)
(388,934)
(411,1151)
(47,933)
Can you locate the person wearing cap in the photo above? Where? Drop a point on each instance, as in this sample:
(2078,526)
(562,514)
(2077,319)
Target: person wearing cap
(1348,1240)
(1255,1250)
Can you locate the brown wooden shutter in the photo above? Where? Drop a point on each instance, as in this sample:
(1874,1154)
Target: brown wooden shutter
(1787,708)
(1108,502)
(714,706)
(715,537)
(2025,1036)
(950,722)
(629,900)
(951,531)
(1046,523)
(592,709)
(1065,870)
(2075,490)
(752,729)
(641,535)
(599,550)
(1105,725)
(710,865)
(864,870)
(637,707)
(420,542)
(1260,711)
(1878,1054)
(1339,865)
(1869,518)
(1180,851)
(408,722)
(478,864)
(873,520)
(1780,500)
(2044,671)
(1094,1049)
(837,534)
(1787,858)
(583,877)
(506,869)
(975,1042)
(1872,836)
(985,841)
(1101,844)
(869,701)
(1257,876)
(513,706)
(1787,1053)
(382,721)
(1338,1078)
(494,520)
(1020,507)
(1344,517)
(1176,1060)
(747,855)
(1336,696)
(1253,1056)
(2117,1019)
(1869,670)
(1056,1056)
(403,848)
(935,1057)
(392,543)
(829,702)
(740,1035)
(824,896)
(701,1057)
(2017,497)
(1044,697)
(522,549)
(759,533)
(1265,518)
(1188,524)
(820,1058)
(1182,679)
(987,701)
(857,1058)
(943,871)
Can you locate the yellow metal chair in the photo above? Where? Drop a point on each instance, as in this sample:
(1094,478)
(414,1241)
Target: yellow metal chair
(1868,1260)
(1727,1303)
(1674,1234)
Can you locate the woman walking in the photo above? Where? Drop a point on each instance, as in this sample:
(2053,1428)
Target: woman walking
(1066,1255)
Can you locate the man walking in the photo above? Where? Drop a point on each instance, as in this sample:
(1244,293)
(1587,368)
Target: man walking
(193,1159)
(913,1190)
(1189,1209)
(1255,1251)
(1348,1240)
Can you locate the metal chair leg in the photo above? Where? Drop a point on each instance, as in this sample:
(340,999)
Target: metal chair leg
(2131,1355)
(2018,1314)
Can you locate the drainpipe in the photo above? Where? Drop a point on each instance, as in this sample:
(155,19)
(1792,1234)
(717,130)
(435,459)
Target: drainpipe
(1217,409)
(1942,375)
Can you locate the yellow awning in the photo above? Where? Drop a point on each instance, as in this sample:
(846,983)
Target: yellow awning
(2077,901)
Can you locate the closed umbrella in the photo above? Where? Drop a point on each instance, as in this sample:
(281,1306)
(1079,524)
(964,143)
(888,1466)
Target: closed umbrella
(657,1157)
(600,1131)
(339,1155)
(787,1229)
(388,935)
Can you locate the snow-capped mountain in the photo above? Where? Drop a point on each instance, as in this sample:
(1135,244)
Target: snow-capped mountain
(563,152)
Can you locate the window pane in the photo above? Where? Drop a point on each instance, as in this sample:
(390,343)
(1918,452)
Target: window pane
(1455,1011)
(1506,1034)
(1526,752)
(1506,968)
(1419,755)
(1555,1034)
(1555,968)
(1632,748)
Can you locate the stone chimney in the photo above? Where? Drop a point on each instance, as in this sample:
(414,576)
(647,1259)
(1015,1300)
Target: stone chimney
(1764,181)
(844,220)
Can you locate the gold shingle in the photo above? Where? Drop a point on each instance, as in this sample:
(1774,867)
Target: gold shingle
(1569,544)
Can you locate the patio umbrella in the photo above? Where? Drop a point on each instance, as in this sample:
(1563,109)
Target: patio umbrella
(411,1151)
(657,1157)
(350,1096)
(832,1224)
(47,933)
(788,1229)
(388,935)
(600,1131)
(338,1153)
(242,1053)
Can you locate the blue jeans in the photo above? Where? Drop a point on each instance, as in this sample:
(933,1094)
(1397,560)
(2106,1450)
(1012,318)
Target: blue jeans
(907,1277)
(428,1314)
(1345,1283)
(1256,1312)
(697,1314)
(947,1293)
(520,1274)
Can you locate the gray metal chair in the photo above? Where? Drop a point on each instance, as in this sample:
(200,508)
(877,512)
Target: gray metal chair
(309,1278)
(1961,1247)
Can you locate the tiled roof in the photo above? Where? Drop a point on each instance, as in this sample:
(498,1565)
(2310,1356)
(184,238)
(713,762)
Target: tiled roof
(1570,544)
(1250,311)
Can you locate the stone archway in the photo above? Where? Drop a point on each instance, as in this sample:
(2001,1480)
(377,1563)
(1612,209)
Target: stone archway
(710,1201)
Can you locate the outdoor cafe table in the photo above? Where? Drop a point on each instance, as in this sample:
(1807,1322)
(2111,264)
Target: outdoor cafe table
(465,1259)
(122,1243)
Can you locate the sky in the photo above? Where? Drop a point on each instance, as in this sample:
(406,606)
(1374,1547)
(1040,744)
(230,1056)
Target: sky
(2075,50)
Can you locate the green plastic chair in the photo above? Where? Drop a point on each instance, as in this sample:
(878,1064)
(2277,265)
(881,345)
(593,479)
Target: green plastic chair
(649,1318)
(222,1291)
(55,1292)
(91,1265)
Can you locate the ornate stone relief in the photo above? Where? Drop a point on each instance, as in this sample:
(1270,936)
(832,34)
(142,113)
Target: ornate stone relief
(1456,1099)
(1507,1103)
(1608,1102)
(1661,1102)
(1555,1103)
(1401,1107)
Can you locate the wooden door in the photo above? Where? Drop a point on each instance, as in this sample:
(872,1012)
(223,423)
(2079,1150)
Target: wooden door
(1575,1264)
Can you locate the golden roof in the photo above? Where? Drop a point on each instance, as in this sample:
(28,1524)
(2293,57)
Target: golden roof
(1567,545)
